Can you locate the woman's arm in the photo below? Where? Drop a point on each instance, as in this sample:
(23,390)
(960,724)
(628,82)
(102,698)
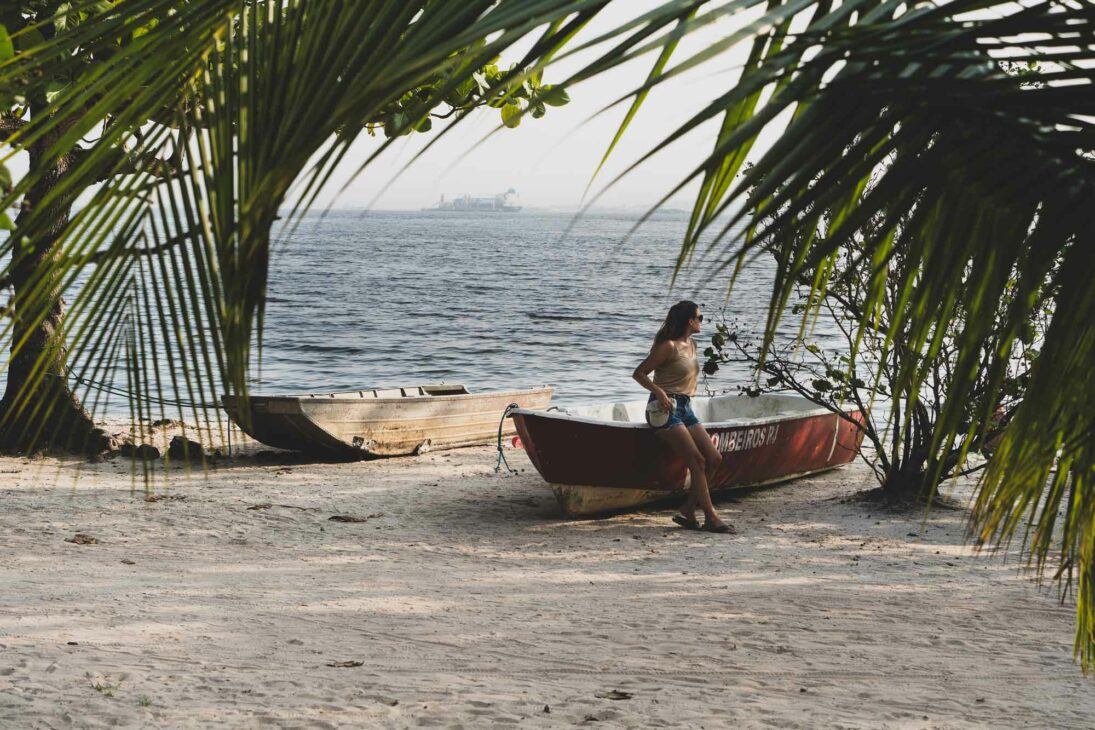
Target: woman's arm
(658,355)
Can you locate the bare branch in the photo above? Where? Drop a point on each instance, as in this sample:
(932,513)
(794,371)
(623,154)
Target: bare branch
(100,256)
(119,161)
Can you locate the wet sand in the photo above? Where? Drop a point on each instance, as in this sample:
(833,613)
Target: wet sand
(463,599)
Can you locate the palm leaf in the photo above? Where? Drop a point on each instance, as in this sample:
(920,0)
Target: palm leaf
(989,180)
(275,93)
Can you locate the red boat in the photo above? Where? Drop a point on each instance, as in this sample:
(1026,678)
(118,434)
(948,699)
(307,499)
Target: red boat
(606,458)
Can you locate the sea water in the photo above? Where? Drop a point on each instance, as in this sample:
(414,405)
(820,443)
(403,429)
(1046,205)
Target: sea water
(492,300)
(495,301)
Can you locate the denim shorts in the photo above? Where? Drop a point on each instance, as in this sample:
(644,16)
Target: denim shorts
(682,414)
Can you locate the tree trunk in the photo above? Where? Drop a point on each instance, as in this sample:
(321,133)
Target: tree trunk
(39,410)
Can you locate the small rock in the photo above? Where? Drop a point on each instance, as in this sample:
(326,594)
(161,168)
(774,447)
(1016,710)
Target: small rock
(81,539)
(143,452)
(547,710)
(347,518)
(127,561)
(183,448)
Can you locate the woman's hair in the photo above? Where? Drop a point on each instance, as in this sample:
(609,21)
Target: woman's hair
(676,321)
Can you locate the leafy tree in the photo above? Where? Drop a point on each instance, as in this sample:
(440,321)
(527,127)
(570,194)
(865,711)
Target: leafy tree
(984,180)
(152,146)
(859,367)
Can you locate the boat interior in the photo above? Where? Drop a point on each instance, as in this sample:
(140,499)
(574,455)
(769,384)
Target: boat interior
(412,391)
(717,409)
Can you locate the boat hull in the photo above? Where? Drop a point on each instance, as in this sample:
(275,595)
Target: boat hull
(372,423)
(603,466)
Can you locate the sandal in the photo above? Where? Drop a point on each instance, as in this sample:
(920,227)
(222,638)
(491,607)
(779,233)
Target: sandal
(688,523)
(722,528)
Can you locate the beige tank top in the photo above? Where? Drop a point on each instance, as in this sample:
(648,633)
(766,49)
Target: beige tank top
(680,373)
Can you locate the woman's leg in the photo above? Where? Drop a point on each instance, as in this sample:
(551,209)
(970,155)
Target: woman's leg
(711,455)
(680,440)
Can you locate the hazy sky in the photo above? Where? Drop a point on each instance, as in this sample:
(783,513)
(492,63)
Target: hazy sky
(550,160)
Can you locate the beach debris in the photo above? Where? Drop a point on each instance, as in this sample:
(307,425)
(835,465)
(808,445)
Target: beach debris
(183,448)
(613,694)
(144,452)
(547,709)
(347,518)
(268,505)
(345,664)
(164,497)
(127,561)
(166,423)
(103,684)
(81,538)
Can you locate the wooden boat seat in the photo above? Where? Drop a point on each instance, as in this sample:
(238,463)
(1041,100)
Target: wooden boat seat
(444,390)
(388,393)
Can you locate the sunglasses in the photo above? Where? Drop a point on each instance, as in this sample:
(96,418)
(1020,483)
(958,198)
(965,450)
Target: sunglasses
(699,317)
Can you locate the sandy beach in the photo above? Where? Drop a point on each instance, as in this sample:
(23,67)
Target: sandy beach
(460,598)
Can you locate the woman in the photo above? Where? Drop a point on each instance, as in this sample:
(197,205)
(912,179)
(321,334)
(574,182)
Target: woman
(676,370)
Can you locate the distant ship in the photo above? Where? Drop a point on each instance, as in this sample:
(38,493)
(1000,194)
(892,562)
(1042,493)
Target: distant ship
(507,202)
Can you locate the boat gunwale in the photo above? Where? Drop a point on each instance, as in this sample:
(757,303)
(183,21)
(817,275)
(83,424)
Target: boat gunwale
(734,423)
(337,398)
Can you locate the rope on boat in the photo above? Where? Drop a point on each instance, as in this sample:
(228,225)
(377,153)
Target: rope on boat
(501,453)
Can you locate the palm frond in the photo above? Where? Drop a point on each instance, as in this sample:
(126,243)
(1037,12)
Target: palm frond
(225,106)
(988,178)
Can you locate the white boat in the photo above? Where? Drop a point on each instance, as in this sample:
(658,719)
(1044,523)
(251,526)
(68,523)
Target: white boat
(380,421)
(507,202)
